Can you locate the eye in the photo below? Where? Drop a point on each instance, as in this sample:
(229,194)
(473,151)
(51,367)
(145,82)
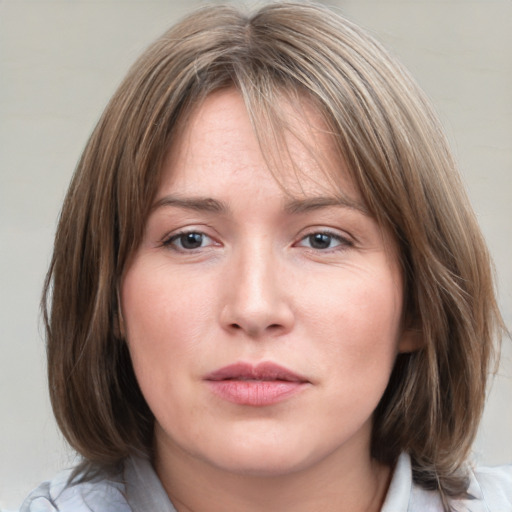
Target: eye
(324,241)
(188,241)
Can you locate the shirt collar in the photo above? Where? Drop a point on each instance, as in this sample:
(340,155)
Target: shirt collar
(144,491)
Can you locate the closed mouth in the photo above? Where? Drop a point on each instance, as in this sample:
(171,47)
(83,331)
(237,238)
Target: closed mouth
(261,385)
(265,371)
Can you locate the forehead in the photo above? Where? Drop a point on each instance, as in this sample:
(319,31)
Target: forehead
(220,143)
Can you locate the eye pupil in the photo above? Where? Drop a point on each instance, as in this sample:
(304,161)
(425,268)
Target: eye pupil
(191,240)
(320,241)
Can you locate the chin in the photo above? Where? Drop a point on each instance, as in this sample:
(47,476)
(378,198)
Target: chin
(262,459)
(268,467)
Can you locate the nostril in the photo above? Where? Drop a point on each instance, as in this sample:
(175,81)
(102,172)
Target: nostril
(254,330)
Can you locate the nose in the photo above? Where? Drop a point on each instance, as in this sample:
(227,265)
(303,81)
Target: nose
(256,301)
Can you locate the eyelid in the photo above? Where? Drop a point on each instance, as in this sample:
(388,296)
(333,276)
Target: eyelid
(345,241)
(169,239)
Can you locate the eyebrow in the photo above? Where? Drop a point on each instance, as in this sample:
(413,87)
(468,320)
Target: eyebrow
(294,206)
(199,204)
(317,203)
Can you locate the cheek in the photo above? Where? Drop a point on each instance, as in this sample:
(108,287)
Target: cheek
(363,307)
(357,322)
(159,305)
(161,324)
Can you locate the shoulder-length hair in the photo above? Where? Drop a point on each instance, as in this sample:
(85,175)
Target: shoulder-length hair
(397,155)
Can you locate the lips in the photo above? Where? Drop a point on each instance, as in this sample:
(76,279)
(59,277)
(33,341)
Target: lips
(264,384)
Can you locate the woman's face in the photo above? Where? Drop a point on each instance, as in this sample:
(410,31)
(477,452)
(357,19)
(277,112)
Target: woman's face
(263,321)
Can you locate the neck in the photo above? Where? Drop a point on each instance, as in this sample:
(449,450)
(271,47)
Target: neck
(334,484)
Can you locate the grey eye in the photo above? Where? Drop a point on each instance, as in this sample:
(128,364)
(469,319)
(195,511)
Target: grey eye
(191,240)
(188,241)
(321,240)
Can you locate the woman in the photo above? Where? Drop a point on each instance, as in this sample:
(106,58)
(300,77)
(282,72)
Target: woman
(268,290)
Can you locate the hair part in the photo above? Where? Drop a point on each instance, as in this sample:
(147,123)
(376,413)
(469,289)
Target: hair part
(395,152)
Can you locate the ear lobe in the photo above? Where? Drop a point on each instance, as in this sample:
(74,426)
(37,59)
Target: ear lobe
(411,340)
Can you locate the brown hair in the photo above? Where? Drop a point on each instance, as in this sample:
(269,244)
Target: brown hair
(395,150)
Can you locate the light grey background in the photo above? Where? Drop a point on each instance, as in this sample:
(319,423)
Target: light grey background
(59,63)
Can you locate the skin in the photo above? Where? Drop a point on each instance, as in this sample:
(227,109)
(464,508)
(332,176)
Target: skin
(259,288)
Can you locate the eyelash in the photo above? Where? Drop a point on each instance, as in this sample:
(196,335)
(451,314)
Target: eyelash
(170,241)
(342,242)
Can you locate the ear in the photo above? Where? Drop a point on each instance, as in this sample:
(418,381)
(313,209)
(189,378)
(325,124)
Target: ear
(411,340)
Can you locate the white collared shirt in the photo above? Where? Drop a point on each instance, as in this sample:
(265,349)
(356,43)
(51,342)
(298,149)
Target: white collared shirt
(138,489)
